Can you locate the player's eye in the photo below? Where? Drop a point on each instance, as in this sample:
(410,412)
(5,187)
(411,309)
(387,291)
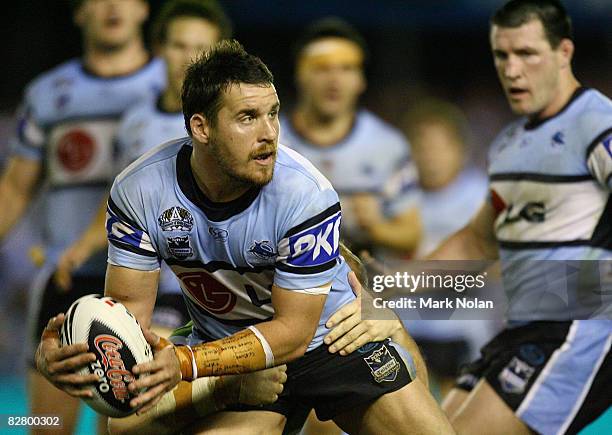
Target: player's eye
(273,114)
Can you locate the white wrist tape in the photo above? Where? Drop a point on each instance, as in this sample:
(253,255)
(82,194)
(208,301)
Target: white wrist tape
(266,346)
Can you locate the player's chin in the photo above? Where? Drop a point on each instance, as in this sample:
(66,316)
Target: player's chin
(261,175)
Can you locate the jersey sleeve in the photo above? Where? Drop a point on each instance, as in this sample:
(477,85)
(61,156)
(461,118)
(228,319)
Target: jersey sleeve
(29,138)
(599,159)
(308,251)
(129,242)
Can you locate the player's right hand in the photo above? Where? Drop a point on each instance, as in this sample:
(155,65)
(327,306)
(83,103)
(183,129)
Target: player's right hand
(71,259)
(59,364)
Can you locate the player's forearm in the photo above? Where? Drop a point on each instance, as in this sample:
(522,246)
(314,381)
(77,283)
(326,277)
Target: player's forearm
(13,207)
(396,235)
(269,344)
(465,244)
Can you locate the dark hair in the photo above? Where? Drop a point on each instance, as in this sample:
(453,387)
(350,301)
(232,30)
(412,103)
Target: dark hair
(206,9)
(330,27)
(433,110)
(551,13)
(225,64)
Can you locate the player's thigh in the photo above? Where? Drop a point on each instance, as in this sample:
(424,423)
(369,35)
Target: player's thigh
(409,410)
(485,413)
(314,426)
(46,399)
(247,423)
(451,404)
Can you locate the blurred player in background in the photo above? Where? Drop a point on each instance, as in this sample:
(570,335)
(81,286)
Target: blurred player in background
(66,128)
(357,151)
(181,31)
(452,191)
(550,178)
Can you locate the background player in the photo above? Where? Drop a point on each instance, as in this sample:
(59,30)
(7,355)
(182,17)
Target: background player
(231,111)
(65,140)
(550,175)
(181,30)
(357,151)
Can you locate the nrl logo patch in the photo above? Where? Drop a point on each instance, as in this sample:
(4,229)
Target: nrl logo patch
(180,247)
(515,376)
(263,250)
(175,219)
(383,365)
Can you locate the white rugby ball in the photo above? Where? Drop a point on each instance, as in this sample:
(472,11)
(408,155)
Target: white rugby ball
(114,336)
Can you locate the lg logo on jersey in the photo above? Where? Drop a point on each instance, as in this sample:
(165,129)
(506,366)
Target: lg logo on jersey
(534,212)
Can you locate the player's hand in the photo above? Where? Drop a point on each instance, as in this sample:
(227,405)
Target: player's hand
(59,364)
(71,259)
(258,388)
(367,210)
(348,332)
(163,373)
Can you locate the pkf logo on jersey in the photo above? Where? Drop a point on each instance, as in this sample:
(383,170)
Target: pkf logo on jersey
(316,245)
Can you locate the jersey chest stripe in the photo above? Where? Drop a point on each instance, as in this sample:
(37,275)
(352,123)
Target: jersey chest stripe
(535,176)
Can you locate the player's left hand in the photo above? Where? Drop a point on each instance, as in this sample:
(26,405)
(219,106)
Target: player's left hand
(163,373)
(348,332)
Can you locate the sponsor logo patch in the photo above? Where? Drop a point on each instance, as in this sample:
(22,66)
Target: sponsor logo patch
(317,245)
(383,365)
(515,376)
(180,247)
(607,143)
(175,219)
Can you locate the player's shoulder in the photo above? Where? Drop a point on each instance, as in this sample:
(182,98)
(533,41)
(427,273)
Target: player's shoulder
(153,166)
(593,113)
(295,172)
(373,125)
(58,76)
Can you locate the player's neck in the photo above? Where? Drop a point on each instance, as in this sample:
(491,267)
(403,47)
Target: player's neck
(121,61)
(567,87)
(320,130)
(212,181)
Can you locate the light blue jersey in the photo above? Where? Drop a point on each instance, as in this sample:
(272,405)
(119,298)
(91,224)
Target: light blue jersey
(228,256)
(373,158)
(68,122)
(550,187)
(144,126)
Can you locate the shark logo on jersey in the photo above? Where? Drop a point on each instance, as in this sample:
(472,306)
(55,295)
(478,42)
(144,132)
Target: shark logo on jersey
(383,365)
(263,250)
(175,219)
(219,234)
(558,139)
(180,247)
(515,376)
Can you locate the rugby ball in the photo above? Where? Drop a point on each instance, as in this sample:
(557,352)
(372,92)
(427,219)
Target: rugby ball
(114,336)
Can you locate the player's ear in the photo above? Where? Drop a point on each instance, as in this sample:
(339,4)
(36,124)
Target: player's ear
(566,52)
(200,127)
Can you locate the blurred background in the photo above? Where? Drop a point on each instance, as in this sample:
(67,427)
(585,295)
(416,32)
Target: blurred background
(434,48)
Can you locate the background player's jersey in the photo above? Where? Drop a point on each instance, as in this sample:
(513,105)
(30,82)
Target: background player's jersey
(142,127)
(550,187)
(68,122)
(227,256)
(373,158)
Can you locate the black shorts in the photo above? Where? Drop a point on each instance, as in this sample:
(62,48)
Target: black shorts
(555,376)
(333,384)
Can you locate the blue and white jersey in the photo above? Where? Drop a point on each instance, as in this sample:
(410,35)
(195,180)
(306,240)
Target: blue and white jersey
(227,256)
(373,158)
(68,121)
(550,186)
(144,126)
